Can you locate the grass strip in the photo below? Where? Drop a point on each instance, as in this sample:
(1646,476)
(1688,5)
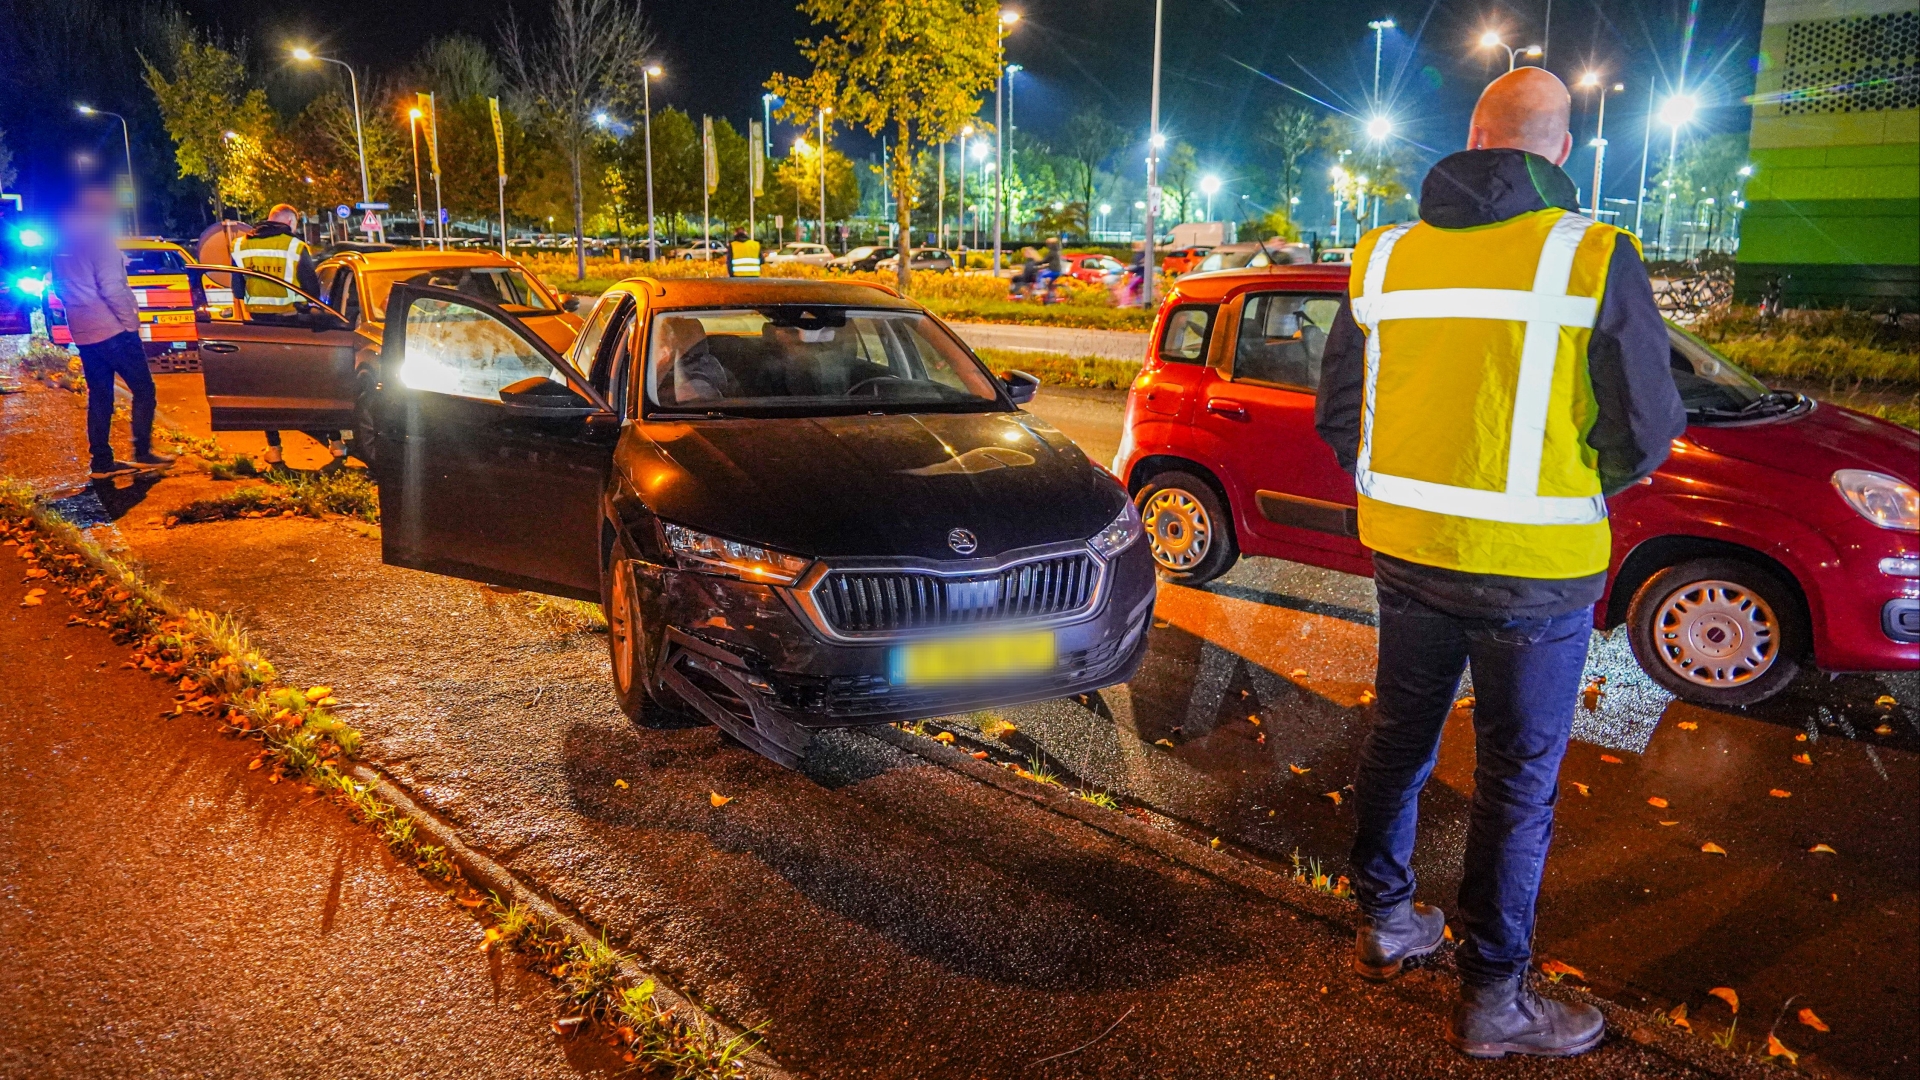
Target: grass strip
(220,675)
(1061,369)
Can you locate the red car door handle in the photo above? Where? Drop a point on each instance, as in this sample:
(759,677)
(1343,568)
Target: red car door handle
(1227,407)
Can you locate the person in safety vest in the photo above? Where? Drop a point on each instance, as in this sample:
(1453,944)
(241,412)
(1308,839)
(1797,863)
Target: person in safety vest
(275,250)
(743,256)
(1498,371)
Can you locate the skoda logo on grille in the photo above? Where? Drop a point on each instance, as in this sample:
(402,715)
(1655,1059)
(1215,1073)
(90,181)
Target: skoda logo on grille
(962,541)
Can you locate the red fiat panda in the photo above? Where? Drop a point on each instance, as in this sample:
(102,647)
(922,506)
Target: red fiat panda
(1781,531)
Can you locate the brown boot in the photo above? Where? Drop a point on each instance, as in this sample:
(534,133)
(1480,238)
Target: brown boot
(1387,941)
(1509,1018)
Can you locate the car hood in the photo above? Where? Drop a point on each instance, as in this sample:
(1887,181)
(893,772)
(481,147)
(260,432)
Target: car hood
(1816,443)
(873,486)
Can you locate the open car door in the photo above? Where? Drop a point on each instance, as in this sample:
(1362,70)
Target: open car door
(492,452)
(282,365)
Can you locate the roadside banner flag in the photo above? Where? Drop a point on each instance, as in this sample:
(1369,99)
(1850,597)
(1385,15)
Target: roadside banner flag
(712,163)
(424,102)
(499,137)
(756,156)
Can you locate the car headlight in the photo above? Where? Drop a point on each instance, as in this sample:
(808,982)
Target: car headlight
(730,558)
(1121,532)
(1887,502)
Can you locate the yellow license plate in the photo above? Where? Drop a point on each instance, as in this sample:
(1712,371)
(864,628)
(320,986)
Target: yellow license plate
(971,659)
(172,318)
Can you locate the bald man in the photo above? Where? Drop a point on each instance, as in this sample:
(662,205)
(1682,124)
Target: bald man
(1498,370)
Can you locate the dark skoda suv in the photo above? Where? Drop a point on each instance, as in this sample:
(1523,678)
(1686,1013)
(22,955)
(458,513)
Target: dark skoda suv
(803,504)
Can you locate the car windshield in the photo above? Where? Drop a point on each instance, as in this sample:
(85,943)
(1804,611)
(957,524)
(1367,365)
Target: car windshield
(154,261)
(1713,385)
(810,360)
(507,286)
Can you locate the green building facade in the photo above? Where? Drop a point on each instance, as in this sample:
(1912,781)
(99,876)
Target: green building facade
(1833,207)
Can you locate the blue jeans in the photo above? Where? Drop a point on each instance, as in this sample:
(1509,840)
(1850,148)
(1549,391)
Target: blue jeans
(125,356)
(1526,678)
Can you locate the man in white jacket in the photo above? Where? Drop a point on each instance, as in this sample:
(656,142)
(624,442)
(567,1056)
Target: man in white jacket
(90,277)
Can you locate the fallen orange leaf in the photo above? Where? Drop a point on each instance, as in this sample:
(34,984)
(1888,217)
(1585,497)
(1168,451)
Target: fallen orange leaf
(621,784)
(1297,673)
(1214,843)
(1669,823)
(1163,742)
(1657,801)
(1579,787)
(1447,932)
(718,799)
(1781,793)
(1726,994)
(1464,703)
(1688,725)
(979,755)
(1776,1048)
(1802,737)
(1557,967)
(1299,770)
(1822,849)
(1712,848)
(1334,795)
(1611,760)
(1808,1018)
(1803,759)
(1883,729)
(1367,697)
(1678,1014)
(314,692)
(1885,701)
(944,737)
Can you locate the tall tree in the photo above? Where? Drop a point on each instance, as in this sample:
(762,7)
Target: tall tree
(204,97)
(914,69)
(458,67)
(592,51)
(1290,131)
(1178,178)
(1091,137)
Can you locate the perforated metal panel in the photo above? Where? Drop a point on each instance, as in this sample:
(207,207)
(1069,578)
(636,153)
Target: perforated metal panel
(1861,64)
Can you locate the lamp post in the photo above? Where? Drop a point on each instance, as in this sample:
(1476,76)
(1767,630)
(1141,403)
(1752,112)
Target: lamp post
(1379,27)
(1154,142)
(1676,112)
(419,209)
(359,138)
(1209,185)
(824,110)
(647,75)
(1591,81)
(1490,39)
(965,133)
(126,143)
(1008,18)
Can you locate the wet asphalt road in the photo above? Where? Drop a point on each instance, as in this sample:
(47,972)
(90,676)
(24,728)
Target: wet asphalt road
(966,911)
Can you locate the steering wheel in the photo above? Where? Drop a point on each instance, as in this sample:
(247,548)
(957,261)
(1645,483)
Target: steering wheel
(855,388)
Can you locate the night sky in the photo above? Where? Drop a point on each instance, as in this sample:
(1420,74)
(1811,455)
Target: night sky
(1226,60)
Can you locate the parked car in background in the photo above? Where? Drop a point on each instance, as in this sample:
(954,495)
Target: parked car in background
(315,368)
(1092,267)
(923,259)
(157,276)
(700,249)
(802,504)
(1780,532)
(1254,254)
(863,258)
(1182,260)
(1340,255)
(801,252)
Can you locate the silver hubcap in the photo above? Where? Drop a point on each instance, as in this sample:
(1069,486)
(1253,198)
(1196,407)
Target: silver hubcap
(1178,529)
(620,624)
(1716,633)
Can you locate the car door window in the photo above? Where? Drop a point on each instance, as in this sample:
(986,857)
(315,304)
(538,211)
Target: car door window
(1184,341)
(1281,339)
(587,346)
(346,299)
(462,351)
(222,298)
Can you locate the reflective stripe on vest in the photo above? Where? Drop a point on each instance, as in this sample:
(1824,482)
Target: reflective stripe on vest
(277,256)
(744,258)
(1544,310)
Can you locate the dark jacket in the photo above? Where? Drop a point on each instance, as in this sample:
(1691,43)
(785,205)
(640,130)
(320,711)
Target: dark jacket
(1627,360)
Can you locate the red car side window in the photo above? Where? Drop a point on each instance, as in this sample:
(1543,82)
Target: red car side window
(1188,329)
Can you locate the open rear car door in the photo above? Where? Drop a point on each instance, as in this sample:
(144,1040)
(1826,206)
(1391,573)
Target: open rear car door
(285,365)
(492,452)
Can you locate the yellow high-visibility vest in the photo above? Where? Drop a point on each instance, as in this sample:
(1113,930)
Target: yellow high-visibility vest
(1473,447)
(743,258)
(274,256)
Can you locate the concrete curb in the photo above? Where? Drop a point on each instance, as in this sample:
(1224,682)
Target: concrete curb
(1669,1042)
(484,873)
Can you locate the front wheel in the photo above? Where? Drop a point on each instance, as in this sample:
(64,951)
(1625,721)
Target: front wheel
(625,641)
(1188,530)
(1717,632)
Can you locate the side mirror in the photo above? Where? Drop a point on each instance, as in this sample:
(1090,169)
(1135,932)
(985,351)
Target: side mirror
(545,398)
(1020,386)
(572,303)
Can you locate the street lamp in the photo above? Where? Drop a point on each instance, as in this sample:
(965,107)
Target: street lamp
(1676,112)
(1490,39)
(1379,27)
(1379,128)
(1591,81)
(647,75)
(1339,177)
(419,209)
(965,134)
(126,142)
(1154,142)
(360,140)
(824,110)
(1008,17)
(1209,184)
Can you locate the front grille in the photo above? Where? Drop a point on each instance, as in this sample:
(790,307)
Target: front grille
(855,696)
(894,601)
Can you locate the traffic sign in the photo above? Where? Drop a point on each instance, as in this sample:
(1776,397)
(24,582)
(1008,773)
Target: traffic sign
(444,216)
(343,211)
(370,223)
(370,206)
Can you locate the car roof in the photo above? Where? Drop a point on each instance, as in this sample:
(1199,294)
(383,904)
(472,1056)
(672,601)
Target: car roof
(141,243)
(422,260)
(753,292)
(1217,284)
